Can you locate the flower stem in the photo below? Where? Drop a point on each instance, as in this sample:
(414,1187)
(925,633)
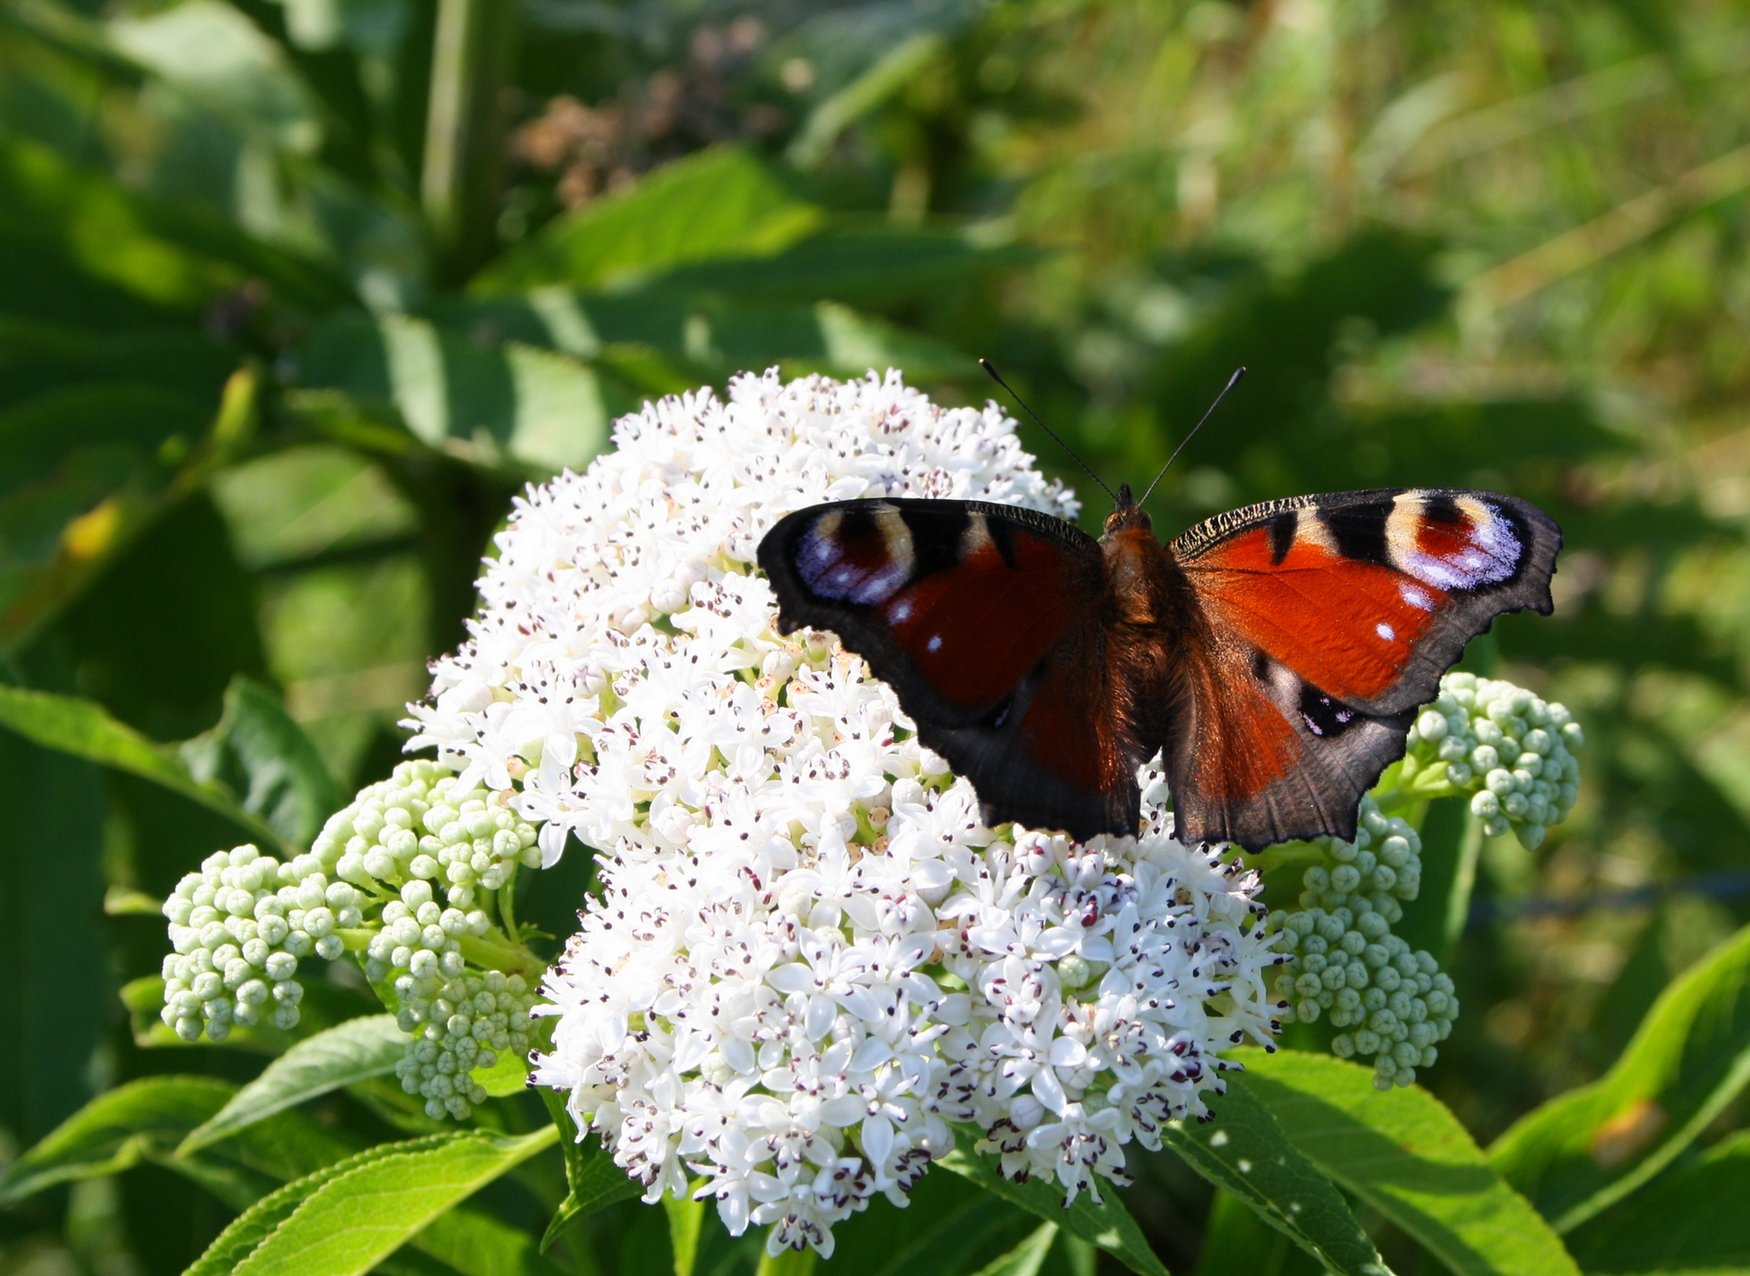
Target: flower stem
(471,52)
(493,951)
(789,1262)
(507,906)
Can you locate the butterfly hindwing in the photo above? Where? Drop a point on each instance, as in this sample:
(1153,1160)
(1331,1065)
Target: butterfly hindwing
(983,619)
(1323,622)
(1052,759)
(1263,757)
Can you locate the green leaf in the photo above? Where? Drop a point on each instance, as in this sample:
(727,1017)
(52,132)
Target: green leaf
(1106,1224)
(56,1015)
(595,1182)
(1405,1155)
(75,247)
(1586,1149)
(125,901)
(721,333)
(275,1150)
(259,752)
(464,1240)
(156,638)
(482,402)
(251,1171)
(1676,1223)
(898,65)
(686,1219)
(1236,1238)
(1026,1258)
(478,1243)
(360,1048)
(350,1216)
(1246,1151)
(1452,842)
(862,56)
(36,355)
(718,203)
(114,1131)
(143,998)
(146,1119)
(786,1262)
(250,1229)
(216,56)
(872,266)
(82,469)
(509,1075)
(950,1226)
(84,730)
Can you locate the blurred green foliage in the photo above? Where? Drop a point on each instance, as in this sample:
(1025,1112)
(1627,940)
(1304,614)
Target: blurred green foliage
(295,294)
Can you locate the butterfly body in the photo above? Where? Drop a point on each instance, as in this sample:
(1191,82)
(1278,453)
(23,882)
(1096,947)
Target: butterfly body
(1274,655)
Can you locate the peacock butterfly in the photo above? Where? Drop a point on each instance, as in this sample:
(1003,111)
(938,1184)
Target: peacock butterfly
(1275,654)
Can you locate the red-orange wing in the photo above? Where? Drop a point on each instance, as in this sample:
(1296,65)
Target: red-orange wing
(1322,622)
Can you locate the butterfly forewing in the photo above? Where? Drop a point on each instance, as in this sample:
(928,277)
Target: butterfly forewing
(1339,612)
(1370,596)
(983,618)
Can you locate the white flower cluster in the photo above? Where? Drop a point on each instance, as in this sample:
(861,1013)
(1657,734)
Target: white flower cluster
(1390,1004)
(808,957)
(795,1025)
(1510,750)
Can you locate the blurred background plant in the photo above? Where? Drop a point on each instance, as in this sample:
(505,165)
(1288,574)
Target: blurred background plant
(295,294)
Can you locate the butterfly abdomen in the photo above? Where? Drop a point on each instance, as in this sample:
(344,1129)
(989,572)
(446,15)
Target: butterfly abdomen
(1147,615)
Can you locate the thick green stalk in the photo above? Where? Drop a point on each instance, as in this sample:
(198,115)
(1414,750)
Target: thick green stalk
(472,52)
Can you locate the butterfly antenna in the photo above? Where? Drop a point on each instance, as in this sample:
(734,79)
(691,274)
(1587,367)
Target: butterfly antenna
(997,377)
(1208,412)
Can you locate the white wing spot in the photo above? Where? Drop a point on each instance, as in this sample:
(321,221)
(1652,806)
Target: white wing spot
(1385,631)
(934,644)
(1416,596)
(901,611)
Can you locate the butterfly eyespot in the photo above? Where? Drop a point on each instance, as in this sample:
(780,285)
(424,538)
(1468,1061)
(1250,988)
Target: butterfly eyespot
(1325,717)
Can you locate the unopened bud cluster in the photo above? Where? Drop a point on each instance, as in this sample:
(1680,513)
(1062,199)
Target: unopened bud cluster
(238,928)
(1509,750)
(402,879)
(1389,1004)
